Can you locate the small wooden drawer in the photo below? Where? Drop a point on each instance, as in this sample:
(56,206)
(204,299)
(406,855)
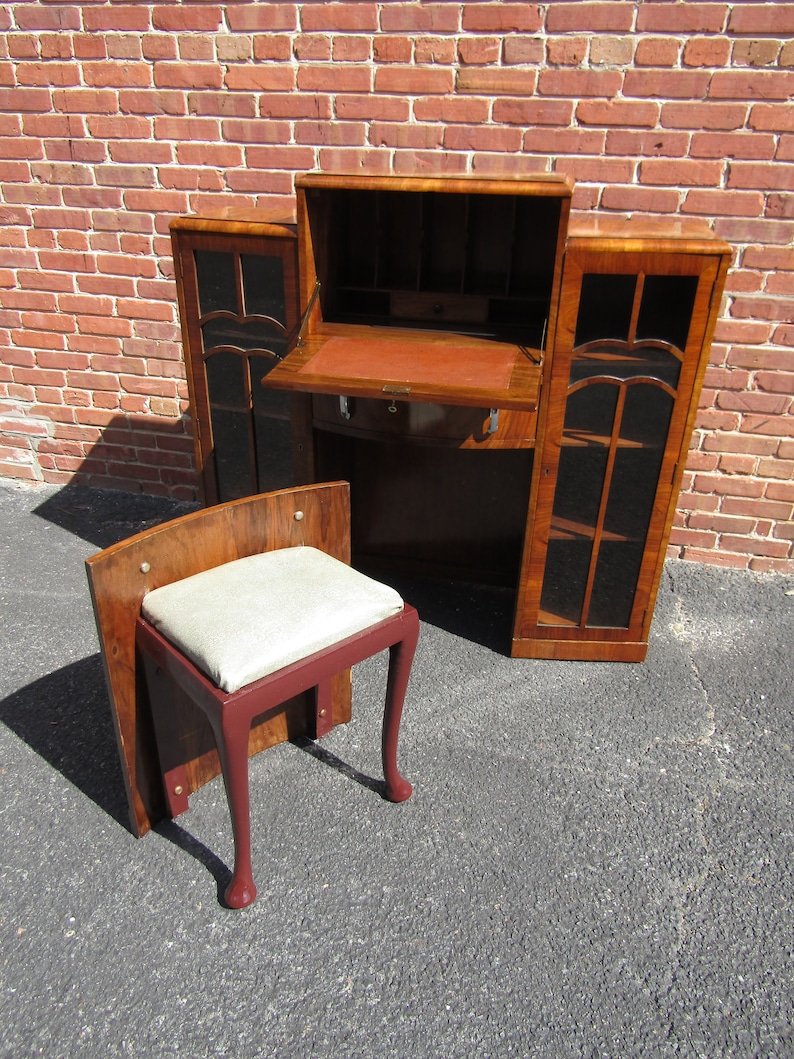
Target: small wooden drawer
(442,424)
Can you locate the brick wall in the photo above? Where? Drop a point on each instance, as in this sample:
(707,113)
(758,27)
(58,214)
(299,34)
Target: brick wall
(116,116)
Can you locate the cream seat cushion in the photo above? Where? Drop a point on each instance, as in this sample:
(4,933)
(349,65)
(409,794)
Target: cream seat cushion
(251,617)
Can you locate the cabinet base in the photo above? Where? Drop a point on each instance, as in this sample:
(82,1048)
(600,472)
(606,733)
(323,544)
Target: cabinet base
(579,651)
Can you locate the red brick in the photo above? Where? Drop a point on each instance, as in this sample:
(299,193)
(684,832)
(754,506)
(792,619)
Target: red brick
(772,18)
(497,81)
(41,17)
(642,200)
(578,83)
(190,75)
(50,73)
(720,523)
(373,108)
(617,112)
(76,151)
(772,117)
(755,52)
(682,18)
(335,133)
(308,47)
(258,181)
(611,51)
(392,49)
(763,308)
(336,77)
(751,84)
(184,18)
(699,116)
(602,171)
(481,138)
(260,78)
(153,101)
(413,137)
(117,74)
(22,100)
(715,202)
(87,46)
(780,426)
(354,160)
(707,51)
(309,105)
(275,157)
(341,17)
(261,17)
(221,104)
(647,144)
(684,172)
(351,49)
(440,50)
(600,17)
(85,101)
(212,154)
(769,257)
(698,539)
(501,18)
(732,145)
(566,51)
(205,129)
(71,125)
(657,52)
(741,443)
(23,47)
(666,84)
(519,49)
(564,141)
(776,468)
(473,51)
(756,546)
(531,112)
(257,131)
(415,81)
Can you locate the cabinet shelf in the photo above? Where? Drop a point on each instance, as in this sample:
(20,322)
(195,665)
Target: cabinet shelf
(564,529)
(580,439)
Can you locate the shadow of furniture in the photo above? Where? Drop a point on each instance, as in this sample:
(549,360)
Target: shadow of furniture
(178,721)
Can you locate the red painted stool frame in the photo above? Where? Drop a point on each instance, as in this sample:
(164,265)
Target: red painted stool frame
(231,714)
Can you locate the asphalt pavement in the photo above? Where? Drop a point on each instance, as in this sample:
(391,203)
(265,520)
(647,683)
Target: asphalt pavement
(597,861)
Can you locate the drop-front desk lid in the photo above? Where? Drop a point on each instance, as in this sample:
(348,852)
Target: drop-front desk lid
(427,366)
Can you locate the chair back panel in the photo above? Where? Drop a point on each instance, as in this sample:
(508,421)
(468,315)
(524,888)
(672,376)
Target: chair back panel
(120,576)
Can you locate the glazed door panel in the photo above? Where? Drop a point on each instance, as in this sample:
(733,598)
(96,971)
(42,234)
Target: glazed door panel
(623,381)
(239,312)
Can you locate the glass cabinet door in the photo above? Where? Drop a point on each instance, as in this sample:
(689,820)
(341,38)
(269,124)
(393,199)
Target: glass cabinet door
(240,313)
(622,380)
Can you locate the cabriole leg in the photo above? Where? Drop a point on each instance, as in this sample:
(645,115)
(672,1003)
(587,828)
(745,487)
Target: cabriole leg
(233,752)
(401,656)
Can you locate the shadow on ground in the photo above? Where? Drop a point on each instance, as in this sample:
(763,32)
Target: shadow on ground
(65,718)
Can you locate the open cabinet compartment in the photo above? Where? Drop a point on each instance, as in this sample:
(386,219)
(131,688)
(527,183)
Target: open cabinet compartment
(430,289)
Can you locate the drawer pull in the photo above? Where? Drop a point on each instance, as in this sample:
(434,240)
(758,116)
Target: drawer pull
(344,407)
(493,421)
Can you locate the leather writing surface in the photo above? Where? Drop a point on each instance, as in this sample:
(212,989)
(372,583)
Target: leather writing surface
(420,362)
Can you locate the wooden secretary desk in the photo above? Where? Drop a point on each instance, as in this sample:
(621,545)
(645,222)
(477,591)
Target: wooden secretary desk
(511,397)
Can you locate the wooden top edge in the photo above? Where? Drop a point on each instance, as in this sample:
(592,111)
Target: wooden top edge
(235,219)
(98,558)
(588,230)
(509,183)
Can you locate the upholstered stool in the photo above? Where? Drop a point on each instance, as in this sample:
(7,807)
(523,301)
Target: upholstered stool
(243,637)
